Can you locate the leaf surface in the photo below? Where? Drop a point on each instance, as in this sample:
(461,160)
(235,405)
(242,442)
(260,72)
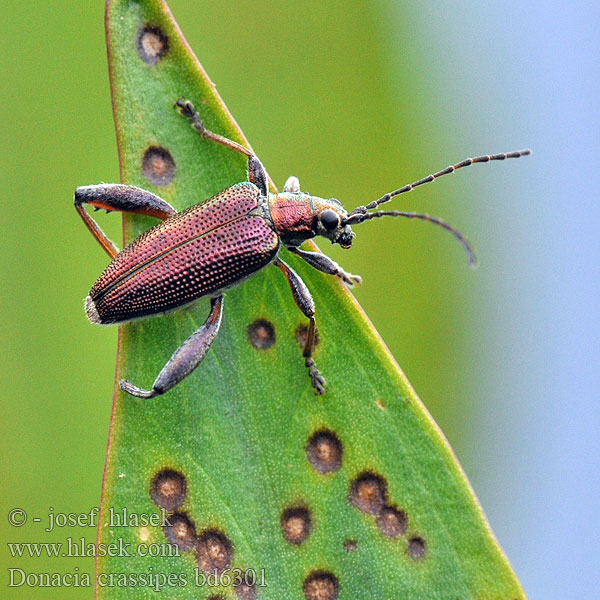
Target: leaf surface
(393,515)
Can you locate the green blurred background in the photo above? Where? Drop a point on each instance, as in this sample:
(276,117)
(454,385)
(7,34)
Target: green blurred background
(356,99)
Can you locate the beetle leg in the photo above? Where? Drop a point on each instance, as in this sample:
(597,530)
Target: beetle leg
(324,263)
(186,358)
(256,172)
(306,304)
(186,108)
(257,175)
(124,198)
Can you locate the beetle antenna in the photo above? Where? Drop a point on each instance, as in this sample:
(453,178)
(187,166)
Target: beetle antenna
(464,163)
(360,217)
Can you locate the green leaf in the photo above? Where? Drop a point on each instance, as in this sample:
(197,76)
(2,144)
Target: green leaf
(232,449)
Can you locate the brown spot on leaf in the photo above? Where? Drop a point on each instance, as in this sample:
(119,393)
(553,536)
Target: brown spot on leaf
(350,545)
(152,44)
(246,588)
(158,165)
(368,493)
(214,551)
(380,404)
(416,547)
(180,532)
(321,585)
(168,489)
(296,524)
(324,451)
(261,334)
(392,522)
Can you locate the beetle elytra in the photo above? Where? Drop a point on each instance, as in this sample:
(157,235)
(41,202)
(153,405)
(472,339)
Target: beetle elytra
(212,246)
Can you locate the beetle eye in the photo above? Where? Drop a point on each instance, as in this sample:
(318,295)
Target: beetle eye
(330,219)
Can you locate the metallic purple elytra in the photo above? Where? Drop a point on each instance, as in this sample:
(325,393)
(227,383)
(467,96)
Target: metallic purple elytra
(206,249)
(198,252)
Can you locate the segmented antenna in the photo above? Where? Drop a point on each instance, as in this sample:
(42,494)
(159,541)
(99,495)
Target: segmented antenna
(360,214)
(411,186)
(359,218)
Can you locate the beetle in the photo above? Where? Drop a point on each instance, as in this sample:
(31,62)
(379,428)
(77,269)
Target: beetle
(217,244)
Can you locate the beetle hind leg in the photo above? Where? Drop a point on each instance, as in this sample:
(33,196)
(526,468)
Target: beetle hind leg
(185,359)
(124,198)
(306,304)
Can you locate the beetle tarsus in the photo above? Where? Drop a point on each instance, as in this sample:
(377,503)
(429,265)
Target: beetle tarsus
(324,264)
(186,109)
(349,279)
(317,380)
(184,106)
(305,303)
(134,390)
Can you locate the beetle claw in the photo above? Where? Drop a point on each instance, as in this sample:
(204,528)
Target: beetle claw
(351,280)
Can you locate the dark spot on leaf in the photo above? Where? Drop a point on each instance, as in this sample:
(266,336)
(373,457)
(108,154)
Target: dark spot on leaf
(302,332)
(152,44)
(392,522)
(416,547)
(380,404)
(321,585)
(295,524)
(158,165)
(180,532)
(246,588)
(324,451)
(350,545)
(168,489)
(214,551)
(368,493)
(261,334)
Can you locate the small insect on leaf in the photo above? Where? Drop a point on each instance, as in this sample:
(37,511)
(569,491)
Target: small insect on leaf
(219,243)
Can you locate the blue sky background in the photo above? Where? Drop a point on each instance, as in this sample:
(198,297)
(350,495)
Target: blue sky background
(526,74)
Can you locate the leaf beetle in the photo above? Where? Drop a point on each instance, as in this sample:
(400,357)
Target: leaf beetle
(217,244)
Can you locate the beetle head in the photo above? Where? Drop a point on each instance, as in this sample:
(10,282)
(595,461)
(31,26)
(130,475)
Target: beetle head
(331,221)
(298,217)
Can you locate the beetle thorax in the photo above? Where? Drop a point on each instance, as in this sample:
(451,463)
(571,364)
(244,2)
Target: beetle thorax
(293,217)
(298,217)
